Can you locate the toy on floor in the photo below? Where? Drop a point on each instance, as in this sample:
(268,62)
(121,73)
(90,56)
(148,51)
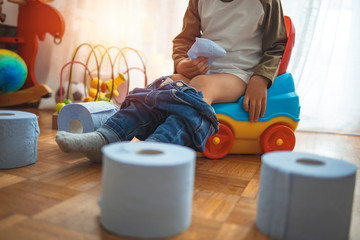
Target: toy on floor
(100,62)
(107,88)
(13,71)
(35,19)
(274,131)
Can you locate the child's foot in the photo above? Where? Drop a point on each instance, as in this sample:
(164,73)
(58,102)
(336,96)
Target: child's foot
(89,144)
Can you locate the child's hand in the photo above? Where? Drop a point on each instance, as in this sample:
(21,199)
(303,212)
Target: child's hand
(255,97)
(191,68)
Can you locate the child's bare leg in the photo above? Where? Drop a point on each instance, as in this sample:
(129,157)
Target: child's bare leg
(220,87)
(178,77)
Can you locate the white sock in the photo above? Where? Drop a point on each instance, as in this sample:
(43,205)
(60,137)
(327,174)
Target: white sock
(89,144)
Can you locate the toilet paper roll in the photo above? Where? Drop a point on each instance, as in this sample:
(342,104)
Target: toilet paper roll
(305,196)
(85,117)
(147,189)
(19,133)
(206,48)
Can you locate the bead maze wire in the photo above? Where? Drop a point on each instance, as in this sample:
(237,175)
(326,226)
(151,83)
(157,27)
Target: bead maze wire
(99,54)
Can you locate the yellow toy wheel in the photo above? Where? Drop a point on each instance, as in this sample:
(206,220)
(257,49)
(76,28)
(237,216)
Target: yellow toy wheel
(219,145)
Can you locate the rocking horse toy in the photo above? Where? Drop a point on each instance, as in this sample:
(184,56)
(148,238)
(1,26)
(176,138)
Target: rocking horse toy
(35,19)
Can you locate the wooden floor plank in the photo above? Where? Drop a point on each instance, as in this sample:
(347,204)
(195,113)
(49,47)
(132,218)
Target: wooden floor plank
(244,212)
(232,231)
(9,179)
(81,176)
(200,229)
(80,213)
(11,220)
(32,229)
(29,197)
(213,205)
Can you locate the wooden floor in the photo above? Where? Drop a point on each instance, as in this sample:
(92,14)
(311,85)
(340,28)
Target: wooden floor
(56,198)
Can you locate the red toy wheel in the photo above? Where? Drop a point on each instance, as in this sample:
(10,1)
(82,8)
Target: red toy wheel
(219,145)
(278,137)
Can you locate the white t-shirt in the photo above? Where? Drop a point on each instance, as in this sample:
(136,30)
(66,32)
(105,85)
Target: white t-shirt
(236,26)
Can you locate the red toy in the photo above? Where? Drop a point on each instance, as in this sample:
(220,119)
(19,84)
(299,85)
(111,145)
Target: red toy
(290,30)
(36,18)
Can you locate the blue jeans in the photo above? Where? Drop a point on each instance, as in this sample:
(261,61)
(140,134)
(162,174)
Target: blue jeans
(172,113)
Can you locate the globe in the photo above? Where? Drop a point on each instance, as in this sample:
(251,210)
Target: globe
(13,71)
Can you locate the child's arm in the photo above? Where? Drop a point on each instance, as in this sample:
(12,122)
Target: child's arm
(186,38)
(273,45)
(255,97)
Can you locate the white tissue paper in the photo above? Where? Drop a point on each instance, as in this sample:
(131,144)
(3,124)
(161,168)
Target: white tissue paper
(305,196)
(19,133)
(206,48)
(85,117)
(147,189)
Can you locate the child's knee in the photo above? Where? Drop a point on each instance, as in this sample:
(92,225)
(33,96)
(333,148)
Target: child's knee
(180,77)
(200,83)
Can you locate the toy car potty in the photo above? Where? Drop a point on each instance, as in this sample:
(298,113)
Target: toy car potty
(274,131)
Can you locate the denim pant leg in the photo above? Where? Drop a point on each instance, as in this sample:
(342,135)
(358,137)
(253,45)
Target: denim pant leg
(136,117)
(172,113)
(191,121)
(134,120)
(176,130)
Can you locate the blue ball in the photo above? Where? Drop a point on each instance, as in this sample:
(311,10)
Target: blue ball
(13,71)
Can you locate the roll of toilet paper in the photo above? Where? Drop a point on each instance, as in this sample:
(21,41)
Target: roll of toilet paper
(85,117)
(203,47)
(305,196)
(147,189)
(19,133)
